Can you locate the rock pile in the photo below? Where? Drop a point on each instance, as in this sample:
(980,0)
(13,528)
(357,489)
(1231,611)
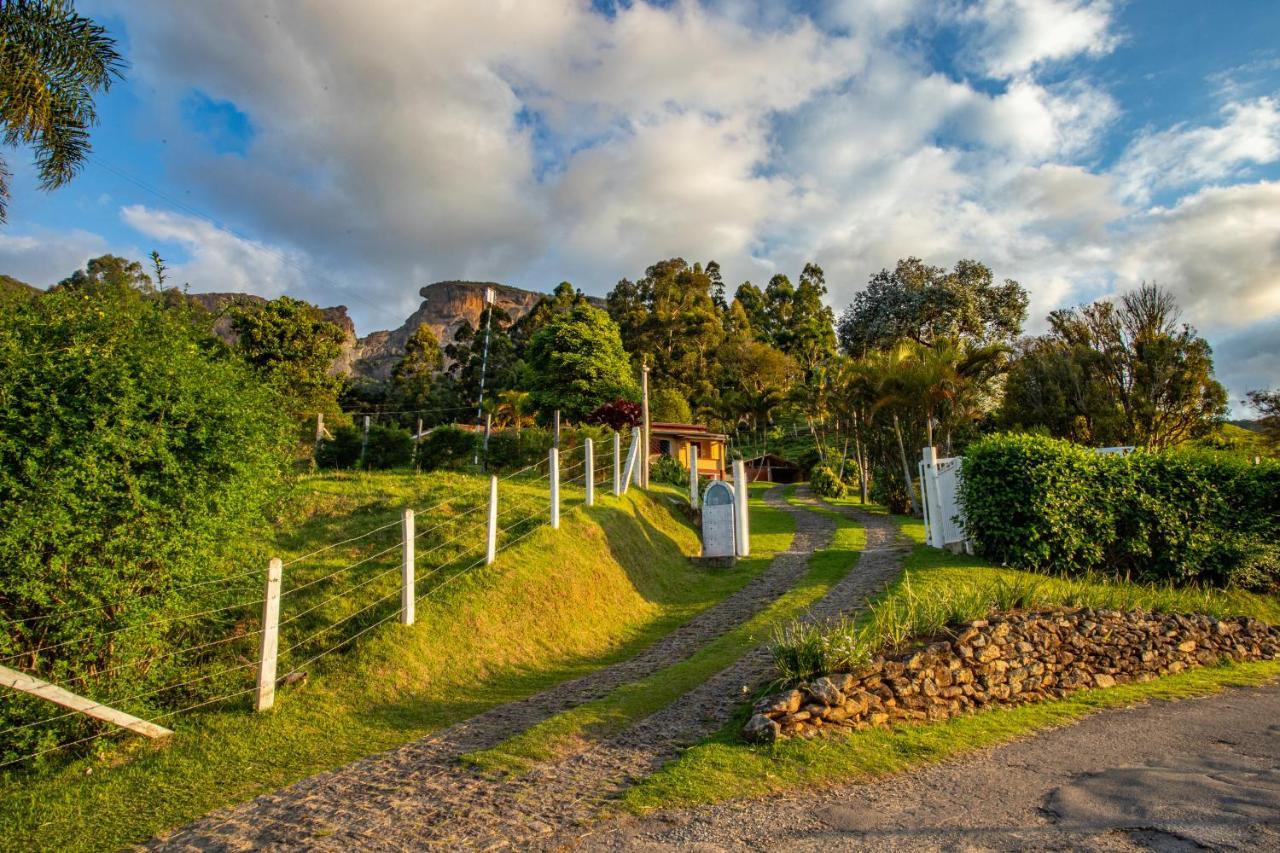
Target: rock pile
(1009,659)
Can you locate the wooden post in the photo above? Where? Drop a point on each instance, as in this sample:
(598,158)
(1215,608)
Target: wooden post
(491,548)
(589,462)
(617,463)
(643,482)
(693,475)
(364,442)
(408,592)
(555,489)
(53,693)
(740,492)
(266,695)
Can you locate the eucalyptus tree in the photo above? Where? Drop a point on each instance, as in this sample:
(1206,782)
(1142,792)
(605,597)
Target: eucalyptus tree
(53,61)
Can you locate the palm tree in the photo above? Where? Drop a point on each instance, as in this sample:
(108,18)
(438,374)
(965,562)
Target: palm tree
(514,408)
(949,377)
(52,62)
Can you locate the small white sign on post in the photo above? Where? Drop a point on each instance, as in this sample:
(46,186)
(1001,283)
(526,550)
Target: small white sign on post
(719,520)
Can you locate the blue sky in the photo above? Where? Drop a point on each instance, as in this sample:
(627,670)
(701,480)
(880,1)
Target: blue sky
(352,153)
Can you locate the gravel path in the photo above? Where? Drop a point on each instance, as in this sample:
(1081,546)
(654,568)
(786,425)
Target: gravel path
(417,794)
(1195,774)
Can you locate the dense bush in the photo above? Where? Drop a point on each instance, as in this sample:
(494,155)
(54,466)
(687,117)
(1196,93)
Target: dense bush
(824,482)
(342,450)
(1186,517)
(448,447)
(133,446)
(510,450)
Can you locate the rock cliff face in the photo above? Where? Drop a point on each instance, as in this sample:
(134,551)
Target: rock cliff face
(445,307)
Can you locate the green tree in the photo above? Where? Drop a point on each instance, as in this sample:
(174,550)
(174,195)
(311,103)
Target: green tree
(578,363)
(671,318)
(924,303)
(13,290)
(294,348)
(413,379)
(669,406)
(133,448)
(1137,374)
(112,270)
(53,62)
(1267,405)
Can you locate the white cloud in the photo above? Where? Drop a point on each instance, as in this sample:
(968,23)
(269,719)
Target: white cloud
(1182,155)
(1016,36)
(41,257)
(219,261)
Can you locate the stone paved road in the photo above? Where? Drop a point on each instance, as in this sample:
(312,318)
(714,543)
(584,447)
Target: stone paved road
(1170,776)
(416,795)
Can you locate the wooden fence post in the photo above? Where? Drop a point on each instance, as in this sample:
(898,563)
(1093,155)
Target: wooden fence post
(617,463)
(555,489)
(408,590)
(266,694)
(693,475)
(589,462)
(741,526)
(491,549)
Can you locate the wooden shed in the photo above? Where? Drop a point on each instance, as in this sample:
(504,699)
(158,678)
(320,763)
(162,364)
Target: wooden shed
(769,468)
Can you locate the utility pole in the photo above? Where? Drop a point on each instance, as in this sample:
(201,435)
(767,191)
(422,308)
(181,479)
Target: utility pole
(489,297)
(644,410)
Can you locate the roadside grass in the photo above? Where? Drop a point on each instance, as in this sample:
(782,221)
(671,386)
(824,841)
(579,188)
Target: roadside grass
(555,606)
(566,732)
(725,766)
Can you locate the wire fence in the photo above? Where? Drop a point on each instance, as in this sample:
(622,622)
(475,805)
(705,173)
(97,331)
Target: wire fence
(321,611)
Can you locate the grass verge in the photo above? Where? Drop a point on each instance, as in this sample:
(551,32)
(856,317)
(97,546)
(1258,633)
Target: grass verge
(553,607)
(565,732)
(724,766)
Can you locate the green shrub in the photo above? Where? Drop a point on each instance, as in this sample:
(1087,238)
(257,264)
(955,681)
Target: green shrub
(824,482)
(390,446)
(133,447)
(1189,517)
(511,451)
(669,470)
(342,451)
(448,447)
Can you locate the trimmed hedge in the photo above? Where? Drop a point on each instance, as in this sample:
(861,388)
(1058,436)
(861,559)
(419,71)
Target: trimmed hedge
(1181,516)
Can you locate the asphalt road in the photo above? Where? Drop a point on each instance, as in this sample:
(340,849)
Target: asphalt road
(1170,776)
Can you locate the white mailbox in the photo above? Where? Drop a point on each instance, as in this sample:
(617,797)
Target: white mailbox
(718,520)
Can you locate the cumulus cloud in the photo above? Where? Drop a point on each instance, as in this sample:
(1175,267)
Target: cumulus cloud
(1183,155)
(41,257)
(1015,36)
(219,260)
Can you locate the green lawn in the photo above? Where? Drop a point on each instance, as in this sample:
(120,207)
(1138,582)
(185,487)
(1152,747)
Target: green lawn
(553,607)
(771,531)
(725,766)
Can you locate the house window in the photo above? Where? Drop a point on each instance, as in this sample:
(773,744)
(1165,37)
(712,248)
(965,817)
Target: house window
(664,446)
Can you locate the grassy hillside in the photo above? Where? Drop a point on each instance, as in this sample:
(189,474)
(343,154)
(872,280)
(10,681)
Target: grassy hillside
(553,606)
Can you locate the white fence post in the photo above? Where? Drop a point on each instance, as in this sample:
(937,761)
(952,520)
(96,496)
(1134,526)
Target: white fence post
(555,489)
(589,463)
(491,548)
(741,527)
(637,465)
(266,694)
(407,588)
(693,475)
(932,498)
(617,463)
(364,441)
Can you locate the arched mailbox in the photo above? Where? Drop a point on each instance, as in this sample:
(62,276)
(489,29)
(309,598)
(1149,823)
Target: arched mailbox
(718,520)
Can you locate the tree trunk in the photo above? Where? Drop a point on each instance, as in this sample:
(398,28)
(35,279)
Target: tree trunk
(862,460)
(906,466)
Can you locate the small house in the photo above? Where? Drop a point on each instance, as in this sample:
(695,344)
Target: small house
(674,440)
(769,468)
